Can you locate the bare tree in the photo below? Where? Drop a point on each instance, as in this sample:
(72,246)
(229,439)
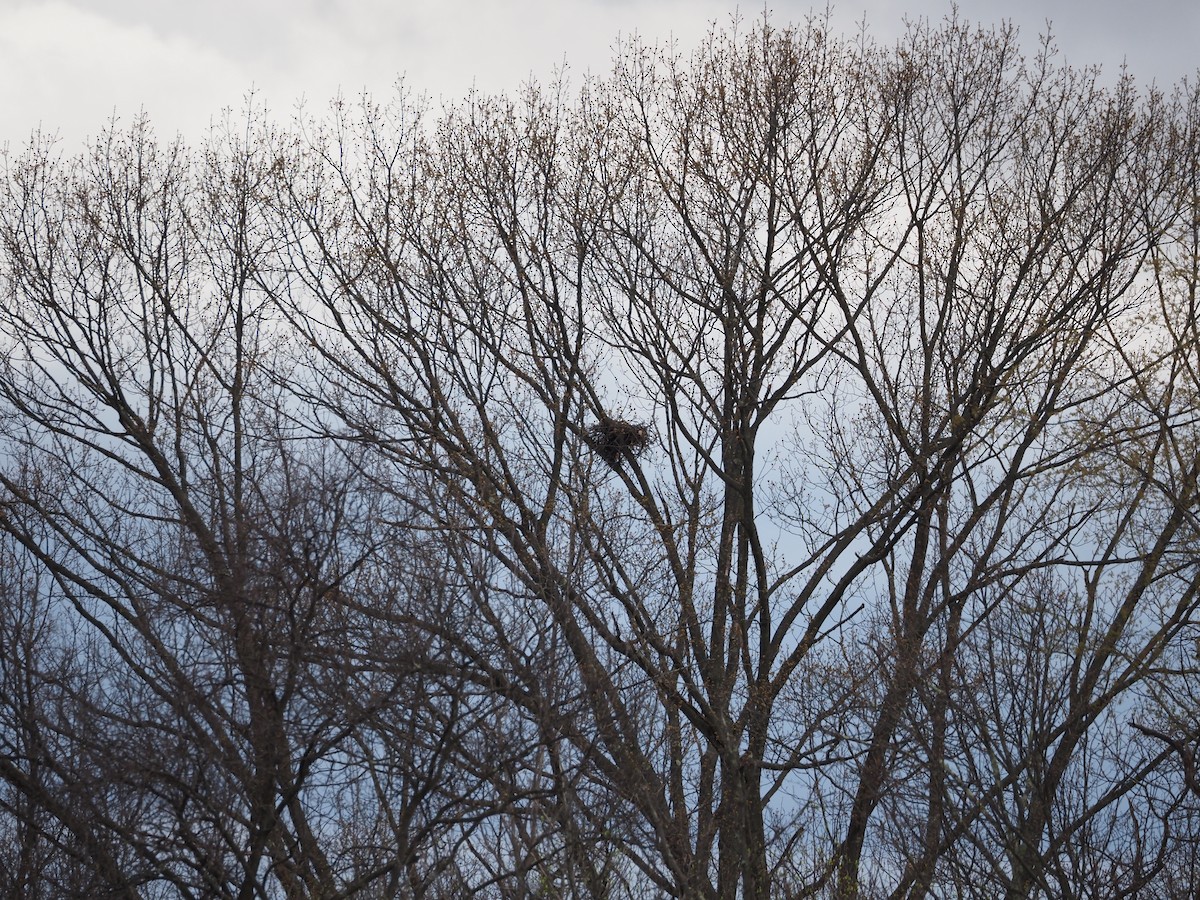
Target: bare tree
(219,729)
(765,473)
(783,368)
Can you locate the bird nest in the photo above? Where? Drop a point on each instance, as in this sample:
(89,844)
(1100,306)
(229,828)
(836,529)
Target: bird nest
(612,439)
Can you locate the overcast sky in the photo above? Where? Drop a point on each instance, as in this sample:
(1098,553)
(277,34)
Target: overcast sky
(69,65)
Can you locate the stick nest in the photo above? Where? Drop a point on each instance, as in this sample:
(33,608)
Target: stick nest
(613,438)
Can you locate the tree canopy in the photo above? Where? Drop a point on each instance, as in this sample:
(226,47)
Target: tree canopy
(765,472)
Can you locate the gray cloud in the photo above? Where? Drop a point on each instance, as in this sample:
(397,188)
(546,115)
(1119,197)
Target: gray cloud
(68,65)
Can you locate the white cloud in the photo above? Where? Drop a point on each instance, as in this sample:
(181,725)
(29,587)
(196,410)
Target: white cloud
(68,70)
(184,63)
